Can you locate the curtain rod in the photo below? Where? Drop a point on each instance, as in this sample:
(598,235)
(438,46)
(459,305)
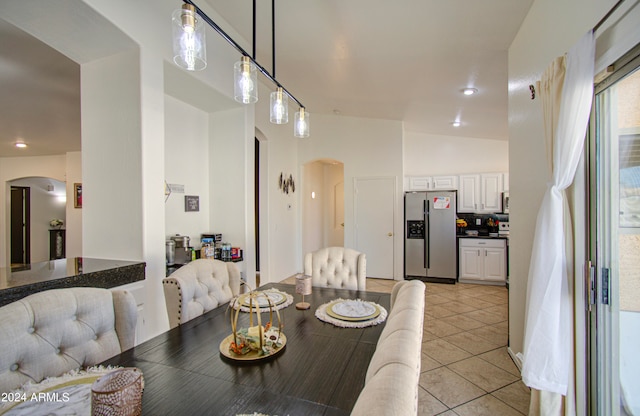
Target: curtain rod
(239,48)
(608,15)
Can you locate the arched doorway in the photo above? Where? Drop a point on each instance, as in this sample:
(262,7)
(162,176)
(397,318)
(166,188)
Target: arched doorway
(35,202)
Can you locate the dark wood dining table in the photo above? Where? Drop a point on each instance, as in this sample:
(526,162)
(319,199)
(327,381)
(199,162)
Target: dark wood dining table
(321,370)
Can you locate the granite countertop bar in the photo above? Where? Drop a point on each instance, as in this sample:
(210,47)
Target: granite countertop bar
(72,272)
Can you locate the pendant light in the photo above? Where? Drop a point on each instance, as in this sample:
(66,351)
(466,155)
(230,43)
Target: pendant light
(301,123)
(246,81)
(189,45)
(279,107)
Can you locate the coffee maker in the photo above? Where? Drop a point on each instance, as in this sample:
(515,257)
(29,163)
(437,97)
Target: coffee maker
(182,253)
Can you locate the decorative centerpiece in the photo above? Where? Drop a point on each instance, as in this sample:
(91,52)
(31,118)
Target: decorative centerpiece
(257,341)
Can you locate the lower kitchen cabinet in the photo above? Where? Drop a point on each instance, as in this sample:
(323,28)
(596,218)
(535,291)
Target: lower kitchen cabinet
(482,260)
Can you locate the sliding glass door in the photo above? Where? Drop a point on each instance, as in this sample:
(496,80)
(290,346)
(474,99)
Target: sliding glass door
(615,242)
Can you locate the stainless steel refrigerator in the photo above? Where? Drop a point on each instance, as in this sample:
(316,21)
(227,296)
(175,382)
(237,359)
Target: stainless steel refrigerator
(430,251)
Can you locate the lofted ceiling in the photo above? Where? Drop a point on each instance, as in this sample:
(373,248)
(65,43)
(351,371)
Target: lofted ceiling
(402,60)
(405,60)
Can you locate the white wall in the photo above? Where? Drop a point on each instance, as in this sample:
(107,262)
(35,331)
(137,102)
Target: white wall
(368,148)
(186,163)
(334,205)
(427,154)
(313,209)
(45,205)
(232,182)
(74,215)
(550,29)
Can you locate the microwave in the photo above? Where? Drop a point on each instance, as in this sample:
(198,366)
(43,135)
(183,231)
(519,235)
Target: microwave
(505,202)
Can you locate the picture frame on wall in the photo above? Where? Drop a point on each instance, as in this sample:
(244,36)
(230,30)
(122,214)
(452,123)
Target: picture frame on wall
(191,203)
(77,195)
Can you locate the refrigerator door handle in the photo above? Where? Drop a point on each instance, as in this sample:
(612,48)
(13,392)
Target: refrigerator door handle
(427,236)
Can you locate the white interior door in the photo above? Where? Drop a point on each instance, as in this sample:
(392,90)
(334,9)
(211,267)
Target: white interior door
(374,218)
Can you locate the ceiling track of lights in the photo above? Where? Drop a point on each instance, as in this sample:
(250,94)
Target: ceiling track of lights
(190,54)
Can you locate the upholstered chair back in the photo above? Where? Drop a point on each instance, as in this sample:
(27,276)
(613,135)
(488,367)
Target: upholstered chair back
(49,333)
(198,287)
(337,267)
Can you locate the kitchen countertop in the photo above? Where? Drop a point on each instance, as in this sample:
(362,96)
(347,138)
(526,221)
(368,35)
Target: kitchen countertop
(503,237)
(72,272)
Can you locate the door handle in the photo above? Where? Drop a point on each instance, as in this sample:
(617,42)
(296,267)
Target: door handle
(390,234)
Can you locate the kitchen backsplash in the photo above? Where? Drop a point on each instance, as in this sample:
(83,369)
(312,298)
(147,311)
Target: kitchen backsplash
(488,222)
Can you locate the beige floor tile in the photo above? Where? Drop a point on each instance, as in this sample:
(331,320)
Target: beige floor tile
(457,296)
(497,299)
(516,395)
(463,322)
(448,387)
(501,358)
(486,406)
(443,351)
(447,413)
(477,302)
(492,334)
(435,299)
(429,405)
(427,363)
(458,307)
(428,336)
(503,325)
(439,311)
(440,328)
(484,316)
(499,310)
(470,343)
(483,374)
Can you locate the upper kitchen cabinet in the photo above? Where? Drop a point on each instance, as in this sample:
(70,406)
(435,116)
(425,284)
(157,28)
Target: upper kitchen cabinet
(505,182)
(449,183)
(419,183)
(430,183)
(480,193)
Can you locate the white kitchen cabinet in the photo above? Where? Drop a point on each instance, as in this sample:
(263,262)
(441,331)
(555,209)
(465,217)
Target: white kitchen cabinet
(420,183)
(505,182)
(480,193)
(449,183)
(482,260)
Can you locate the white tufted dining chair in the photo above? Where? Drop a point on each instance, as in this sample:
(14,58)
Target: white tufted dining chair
(337,267)
(198,287)
(49,333)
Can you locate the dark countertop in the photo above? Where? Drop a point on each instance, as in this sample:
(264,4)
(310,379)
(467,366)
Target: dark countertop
(502,237)
(72,272)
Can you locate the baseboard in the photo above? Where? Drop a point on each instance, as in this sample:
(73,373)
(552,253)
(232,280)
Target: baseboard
(516,359)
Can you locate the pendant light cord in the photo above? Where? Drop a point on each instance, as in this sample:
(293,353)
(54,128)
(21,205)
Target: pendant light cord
(254,30)
(273,36)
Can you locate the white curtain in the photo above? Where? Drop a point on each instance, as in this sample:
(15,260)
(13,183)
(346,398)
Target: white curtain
(548,366)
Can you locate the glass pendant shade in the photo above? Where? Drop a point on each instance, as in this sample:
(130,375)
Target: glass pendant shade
(246,81)
(189,45)
(301,124)
(279,107)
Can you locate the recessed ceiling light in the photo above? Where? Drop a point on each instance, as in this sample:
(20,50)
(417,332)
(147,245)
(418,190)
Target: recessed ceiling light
(469,91)
(21,145)
(456,124)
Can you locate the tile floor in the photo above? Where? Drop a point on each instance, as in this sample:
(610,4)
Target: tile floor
(466,369)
